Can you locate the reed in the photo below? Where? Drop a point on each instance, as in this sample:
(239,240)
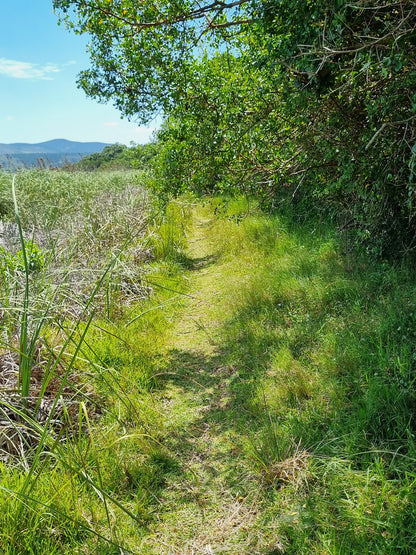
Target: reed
(65,271)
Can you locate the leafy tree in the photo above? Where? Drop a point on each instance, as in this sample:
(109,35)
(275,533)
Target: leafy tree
(142,52)
(120,156)
(349,70)
(288,99)
(108,155)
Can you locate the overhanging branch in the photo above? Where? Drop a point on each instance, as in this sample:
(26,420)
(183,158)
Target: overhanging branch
(202,12)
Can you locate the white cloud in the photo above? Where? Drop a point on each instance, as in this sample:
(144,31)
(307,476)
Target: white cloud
(27,70)
(9,118)
(110,124)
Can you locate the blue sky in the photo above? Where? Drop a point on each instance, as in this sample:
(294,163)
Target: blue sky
(39,99)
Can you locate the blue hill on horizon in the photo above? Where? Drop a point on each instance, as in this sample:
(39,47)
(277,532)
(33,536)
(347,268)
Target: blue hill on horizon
(54,146)
(56,152)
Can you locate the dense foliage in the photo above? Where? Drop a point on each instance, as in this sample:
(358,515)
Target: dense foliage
(295,100)
(120,156)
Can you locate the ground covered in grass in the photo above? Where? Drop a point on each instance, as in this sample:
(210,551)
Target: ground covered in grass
(248,387)
(287,395)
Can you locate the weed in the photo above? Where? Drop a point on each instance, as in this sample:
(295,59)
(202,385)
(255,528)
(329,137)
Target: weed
(49,302)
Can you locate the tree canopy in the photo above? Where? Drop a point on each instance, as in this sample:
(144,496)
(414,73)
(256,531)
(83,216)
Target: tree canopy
(142,52)
(118,156)
(294,100)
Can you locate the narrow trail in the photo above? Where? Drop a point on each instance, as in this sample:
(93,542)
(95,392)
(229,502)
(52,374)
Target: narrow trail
(192,331)
(210,505)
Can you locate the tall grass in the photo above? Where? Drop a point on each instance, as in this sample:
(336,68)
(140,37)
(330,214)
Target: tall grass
(76,255)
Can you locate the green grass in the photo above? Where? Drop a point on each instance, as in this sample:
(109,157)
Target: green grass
(225,381)
(90,247)
(309,388)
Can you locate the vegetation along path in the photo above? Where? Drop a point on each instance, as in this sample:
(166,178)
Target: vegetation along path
(277,420)
(242,384)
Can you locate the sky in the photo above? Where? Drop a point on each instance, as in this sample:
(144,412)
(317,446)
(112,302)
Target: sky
(39,99)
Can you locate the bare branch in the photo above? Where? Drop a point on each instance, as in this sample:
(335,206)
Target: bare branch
(198,13)
(374,137)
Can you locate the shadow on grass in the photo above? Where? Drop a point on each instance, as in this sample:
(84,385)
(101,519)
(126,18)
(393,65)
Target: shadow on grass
(200,263)
(194,264)
(332,376)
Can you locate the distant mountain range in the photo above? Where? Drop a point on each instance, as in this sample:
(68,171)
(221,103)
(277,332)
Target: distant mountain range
(52,147)
(49,153)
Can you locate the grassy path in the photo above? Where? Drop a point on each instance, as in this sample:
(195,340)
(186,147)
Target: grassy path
(211,504)
(277,426)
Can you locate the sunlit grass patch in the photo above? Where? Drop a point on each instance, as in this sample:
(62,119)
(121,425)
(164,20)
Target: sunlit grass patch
(287,383)
(237,384)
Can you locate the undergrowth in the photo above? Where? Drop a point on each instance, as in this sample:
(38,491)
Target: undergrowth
(213,379)
(82,258)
